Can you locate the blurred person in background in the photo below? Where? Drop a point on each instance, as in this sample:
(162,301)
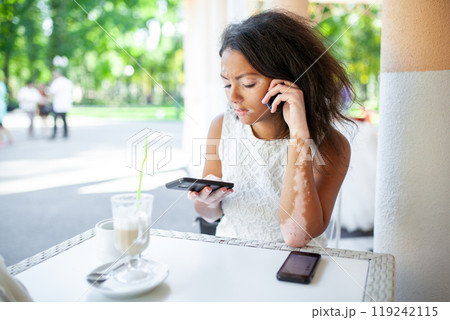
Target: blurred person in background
(28,98)
(44,107)
(61,89)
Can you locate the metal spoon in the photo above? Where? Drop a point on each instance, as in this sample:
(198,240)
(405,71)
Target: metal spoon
(99,276)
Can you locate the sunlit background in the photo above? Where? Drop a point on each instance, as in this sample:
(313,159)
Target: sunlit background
(115,50)
(128,61)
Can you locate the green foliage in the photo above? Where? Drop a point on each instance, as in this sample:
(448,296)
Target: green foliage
(356,29)
(98,38)
(15,27)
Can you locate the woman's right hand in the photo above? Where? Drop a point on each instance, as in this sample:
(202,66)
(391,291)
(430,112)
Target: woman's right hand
(209,198)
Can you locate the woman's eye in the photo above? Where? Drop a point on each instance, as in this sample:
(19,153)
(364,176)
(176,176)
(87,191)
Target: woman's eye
(249,85)
(227,86)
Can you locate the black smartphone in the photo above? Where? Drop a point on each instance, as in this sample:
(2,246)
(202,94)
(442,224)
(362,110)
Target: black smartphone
(299,267)
(269,104)
(193,184)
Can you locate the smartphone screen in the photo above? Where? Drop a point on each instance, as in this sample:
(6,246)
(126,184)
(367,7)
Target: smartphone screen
(193,184)
(299,267)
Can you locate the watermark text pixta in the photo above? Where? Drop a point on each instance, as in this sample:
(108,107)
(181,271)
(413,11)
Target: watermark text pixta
(159,151)
(244,151)
(333,312)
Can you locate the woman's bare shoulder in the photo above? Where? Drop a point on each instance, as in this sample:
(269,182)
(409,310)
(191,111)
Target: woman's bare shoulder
(215,132)
(344,144)
(338,150)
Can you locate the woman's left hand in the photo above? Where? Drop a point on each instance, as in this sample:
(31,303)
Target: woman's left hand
(294,105)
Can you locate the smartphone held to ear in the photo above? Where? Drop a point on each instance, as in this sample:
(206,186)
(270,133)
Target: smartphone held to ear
(269,104)
(299,267)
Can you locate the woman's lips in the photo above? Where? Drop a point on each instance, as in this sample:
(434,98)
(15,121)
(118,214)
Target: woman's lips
(241,112)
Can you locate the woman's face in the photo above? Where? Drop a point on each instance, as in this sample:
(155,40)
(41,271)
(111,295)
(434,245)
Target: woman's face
(244,87)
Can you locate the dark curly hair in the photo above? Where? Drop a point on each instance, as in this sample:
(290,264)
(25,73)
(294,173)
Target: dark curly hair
(282,45)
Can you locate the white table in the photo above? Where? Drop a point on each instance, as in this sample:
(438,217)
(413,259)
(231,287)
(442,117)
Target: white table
(208,268)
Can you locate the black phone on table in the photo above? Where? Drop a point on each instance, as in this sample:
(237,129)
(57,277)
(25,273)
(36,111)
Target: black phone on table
(193,184)
(299,267)
(270,102)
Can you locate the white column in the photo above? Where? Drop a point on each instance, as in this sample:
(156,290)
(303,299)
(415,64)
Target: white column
(204,97)
(412,219)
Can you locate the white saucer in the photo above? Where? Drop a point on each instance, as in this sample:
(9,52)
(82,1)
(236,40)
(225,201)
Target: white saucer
(116,289)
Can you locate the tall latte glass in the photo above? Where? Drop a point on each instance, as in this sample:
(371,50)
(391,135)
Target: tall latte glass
(132,218)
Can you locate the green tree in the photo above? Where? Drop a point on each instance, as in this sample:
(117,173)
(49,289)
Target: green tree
(98,39)
(11,14)
(356,29)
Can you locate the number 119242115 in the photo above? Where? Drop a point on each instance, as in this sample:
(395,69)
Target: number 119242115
(381,311)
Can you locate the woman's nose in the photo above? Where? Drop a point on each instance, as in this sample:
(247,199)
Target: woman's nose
(235,96)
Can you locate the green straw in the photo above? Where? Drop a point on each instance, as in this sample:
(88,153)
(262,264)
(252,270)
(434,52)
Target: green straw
(142,169)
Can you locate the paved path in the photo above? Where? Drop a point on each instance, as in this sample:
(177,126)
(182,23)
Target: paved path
(51,190)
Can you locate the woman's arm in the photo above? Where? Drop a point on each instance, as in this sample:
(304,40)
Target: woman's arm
(207,204)
(308,196)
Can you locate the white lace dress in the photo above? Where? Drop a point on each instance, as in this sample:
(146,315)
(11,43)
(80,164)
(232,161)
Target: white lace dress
(257,168)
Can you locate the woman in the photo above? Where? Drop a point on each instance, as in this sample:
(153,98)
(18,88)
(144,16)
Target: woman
(285,191)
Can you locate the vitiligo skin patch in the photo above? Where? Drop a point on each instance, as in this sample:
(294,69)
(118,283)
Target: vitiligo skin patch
(302,190)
